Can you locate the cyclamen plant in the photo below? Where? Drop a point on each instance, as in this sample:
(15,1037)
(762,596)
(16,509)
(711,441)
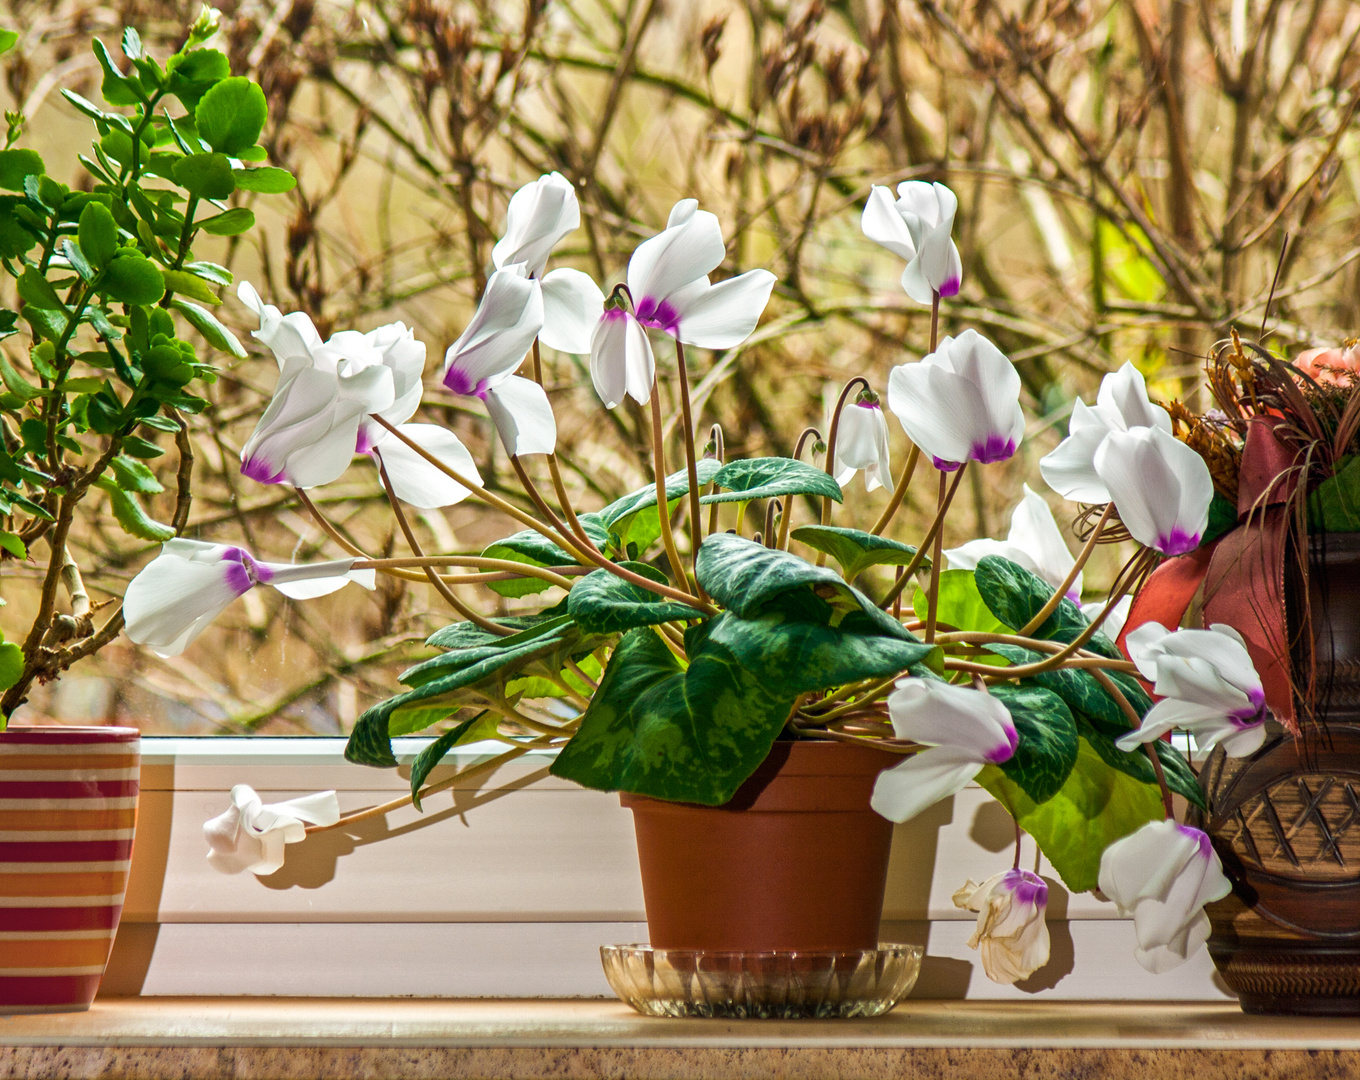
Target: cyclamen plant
(109,288)
(680,653)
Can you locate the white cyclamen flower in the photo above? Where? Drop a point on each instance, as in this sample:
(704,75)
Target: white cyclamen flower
(1122,404)
(251,834)
(1011,931)
(1160,486)
(309,431)
(190,583)
(669,286)
(1207,683)
(961,403)
(1163,875)
(1034,542)
(862,443)
(917,227)
(540,214)
(964,730)
(483,361)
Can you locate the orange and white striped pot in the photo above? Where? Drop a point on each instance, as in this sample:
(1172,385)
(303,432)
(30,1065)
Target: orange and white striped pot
(68,810)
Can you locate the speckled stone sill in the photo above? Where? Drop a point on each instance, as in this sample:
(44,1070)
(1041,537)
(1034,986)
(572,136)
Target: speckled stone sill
(243,1039)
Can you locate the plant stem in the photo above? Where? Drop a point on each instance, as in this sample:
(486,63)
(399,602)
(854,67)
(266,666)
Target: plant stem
(899,492)
(556,473)
(935,527)
(829,462)
(1135,721)
(662,503)
(696,521)
(933,591)
(1061,591)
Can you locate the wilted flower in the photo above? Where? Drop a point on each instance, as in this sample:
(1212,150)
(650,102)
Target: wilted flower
(1034,542)
(964,730)
(482,362)
(190,583)
(862,443)
(1011,930)
(917,227)
(251,834)
(961,403)
(1122,404)
(1161,488)
(1163,875)
(1208,684)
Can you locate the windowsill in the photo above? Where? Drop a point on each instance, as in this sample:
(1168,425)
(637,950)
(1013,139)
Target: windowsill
(210,1038)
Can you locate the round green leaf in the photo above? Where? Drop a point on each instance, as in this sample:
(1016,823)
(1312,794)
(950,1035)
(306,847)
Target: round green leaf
(230,223)
(206,175)
(231,115)
(97,234)
(267,180)
(132,279)
(16,164)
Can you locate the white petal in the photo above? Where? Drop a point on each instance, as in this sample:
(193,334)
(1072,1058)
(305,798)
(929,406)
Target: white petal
(175,597)
(941,714)
(940,411)
(404,355)
(523,418)
(902,792)
(1125,391)
(306,581)
(862,443)
(690,249)
(967,556)
(1070,470)
(499,335)
(621,360)
(1034,530)
(1160,487)
(572,305)
(882,224)
(414,479)
(251,834)
(539,215)
(722,316)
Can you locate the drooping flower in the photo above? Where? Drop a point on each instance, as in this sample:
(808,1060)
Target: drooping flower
(1160,486)
(1011,931)
(918,228)
(1122,404)
(1163,875)
(540,214)
(670,290)
(862,443)
(961,403)
(308,433)
(1208,685)
(1034,542)
(482,362)
(963,729)
(251,834)
(190,583)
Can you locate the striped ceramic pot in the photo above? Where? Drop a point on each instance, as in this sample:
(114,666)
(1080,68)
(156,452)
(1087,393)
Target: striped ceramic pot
(68,809)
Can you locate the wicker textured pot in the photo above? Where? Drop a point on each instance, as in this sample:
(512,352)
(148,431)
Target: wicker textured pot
(795,861)
(1286,823)
(68,809)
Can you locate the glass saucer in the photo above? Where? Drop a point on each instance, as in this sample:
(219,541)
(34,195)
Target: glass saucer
(761,985)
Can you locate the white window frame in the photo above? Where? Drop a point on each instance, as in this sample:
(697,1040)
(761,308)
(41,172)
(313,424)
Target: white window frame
(507,885)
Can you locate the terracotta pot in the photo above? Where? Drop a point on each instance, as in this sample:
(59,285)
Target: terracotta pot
(68,809)
(796,860)
(1286,823)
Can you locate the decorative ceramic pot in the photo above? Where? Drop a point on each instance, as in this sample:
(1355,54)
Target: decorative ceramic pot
(68,809)
(795,861)
(1286,823)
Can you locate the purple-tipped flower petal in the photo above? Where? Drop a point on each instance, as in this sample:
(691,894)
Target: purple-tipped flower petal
(862,443)
(918,227)
(1160,486)
(539,215)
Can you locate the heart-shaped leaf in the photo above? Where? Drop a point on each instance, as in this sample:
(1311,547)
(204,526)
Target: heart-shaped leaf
(769,478)
(604,603)
(855,550)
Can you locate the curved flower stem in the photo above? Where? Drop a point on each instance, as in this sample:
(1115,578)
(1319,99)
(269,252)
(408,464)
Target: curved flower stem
(696,521)
(583,557)
(433,789)
(802,441)
(556,473)
(715,435)
(899,492)
(861,740)
(770,508)
(1061,591)
(433,578)
(326,526)
(1018,834)
(933,591)
(547,511)
(662,503)
(829,462)
(978,637)
(506,570)
(874,693)
(1135,721)
(931,533)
